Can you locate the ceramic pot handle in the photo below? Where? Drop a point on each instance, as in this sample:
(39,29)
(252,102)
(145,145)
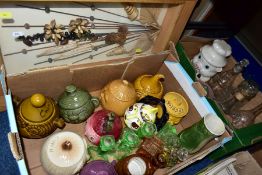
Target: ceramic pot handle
(87,153)
(59,123)
(16,100)
(95,101)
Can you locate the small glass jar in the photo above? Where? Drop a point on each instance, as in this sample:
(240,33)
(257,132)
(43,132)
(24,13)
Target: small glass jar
(244,92)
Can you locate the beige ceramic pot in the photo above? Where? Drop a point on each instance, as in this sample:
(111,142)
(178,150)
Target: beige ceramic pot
(64,153)
(117,96)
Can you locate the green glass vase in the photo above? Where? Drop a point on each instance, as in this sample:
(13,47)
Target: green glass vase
(200,133)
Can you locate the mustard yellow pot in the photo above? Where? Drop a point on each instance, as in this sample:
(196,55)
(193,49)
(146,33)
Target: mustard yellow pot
(176,106)
(38,116)
(117,96)
(149,85)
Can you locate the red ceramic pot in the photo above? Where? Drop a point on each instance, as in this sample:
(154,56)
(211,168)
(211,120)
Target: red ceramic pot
(102,123)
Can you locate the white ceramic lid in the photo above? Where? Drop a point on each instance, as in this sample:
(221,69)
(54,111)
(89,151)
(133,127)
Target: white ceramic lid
(65,149)
(136,166)
(216,54)
(222,47)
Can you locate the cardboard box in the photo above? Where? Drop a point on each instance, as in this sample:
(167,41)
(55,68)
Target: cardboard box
(241,163)
(92,76)
(187,49)
(176,80)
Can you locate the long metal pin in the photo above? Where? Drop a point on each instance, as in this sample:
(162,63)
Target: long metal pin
(65,13)
(28,50)
(50,60)
(92,6)
(101,34)
(91,56)
(96,26)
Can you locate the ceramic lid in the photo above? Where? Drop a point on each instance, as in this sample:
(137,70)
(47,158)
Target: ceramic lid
(65,149)
(73,98)
(216,54)
(136,165)
(176,104)
(37,108)
(122,90)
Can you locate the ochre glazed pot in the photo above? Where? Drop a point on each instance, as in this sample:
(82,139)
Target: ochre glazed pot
(38,116)
(117,96)
(149,85)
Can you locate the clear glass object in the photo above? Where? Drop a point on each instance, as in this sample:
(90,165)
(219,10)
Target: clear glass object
(243,118)
(200,133)
(225,79)
(246,90)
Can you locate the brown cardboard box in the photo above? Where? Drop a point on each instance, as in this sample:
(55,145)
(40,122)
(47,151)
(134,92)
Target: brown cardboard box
(93,76)
(127,69)
(242,163)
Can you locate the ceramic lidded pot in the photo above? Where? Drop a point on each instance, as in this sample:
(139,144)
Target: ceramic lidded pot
(211,59)
(37,116)
(139,113)
(117,96)
(98,167)
(176,106)
(64,153)
(102,123)
(135,165)
(76,105)
(149,85)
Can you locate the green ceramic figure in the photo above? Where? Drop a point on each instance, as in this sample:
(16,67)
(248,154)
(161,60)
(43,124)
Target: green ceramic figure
(76,105)
(200,133)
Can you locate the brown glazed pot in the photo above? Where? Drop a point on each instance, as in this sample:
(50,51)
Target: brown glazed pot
(117,96)
(37,116)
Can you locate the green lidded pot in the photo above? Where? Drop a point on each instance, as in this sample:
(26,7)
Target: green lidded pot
(76,105)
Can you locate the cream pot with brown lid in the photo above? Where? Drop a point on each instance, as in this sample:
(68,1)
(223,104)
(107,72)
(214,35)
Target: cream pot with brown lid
(64,153)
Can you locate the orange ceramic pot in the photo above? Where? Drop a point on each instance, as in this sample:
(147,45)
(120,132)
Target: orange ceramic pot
(38,116)
(117,96)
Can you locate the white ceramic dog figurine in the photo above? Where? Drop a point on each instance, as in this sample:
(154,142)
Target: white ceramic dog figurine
(211,59)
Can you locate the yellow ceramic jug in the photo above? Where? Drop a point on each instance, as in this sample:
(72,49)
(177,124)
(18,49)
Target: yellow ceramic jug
(38,116)
(149,85)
